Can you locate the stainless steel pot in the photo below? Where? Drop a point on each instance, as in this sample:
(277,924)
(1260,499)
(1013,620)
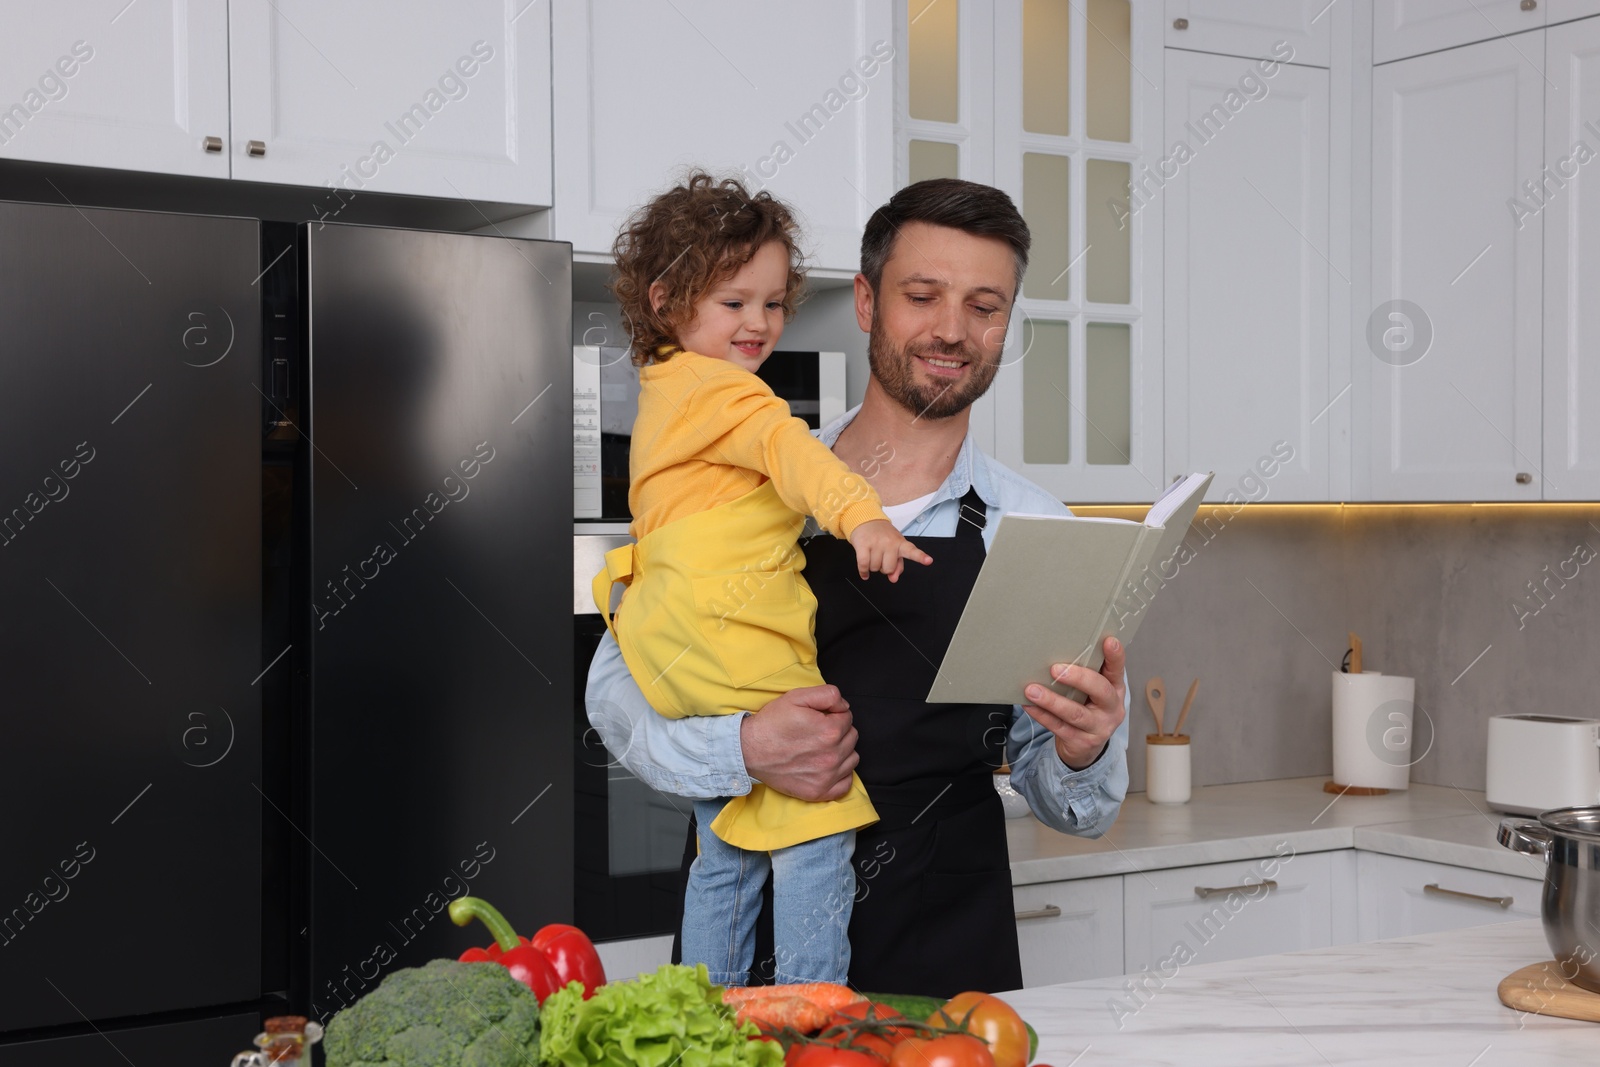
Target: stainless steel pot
(1569,840)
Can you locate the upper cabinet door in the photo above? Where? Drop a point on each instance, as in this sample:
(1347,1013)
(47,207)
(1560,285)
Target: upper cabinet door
(1077,139)
(1450,364)
(1567,209)
(1247,271)
(1567,10)
(802,106)
(1290,31)
(427,99)
(118,84)
(1403,28)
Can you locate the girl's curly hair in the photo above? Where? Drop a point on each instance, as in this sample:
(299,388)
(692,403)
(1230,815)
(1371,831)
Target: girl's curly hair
(690,238)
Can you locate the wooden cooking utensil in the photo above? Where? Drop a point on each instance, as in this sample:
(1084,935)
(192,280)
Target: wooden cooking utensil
(1187,701)
(1155,691)
(1355,653)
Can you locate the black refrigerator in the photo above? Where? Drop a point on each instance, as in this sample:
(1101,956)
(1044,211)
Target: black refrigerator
(285,560)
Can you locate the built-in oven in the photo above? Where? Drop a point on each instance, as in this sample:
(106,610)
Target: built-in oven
(628,844)
(629,839)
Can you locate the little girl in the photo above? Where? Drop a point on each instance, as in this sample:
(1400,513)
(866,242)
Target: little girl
(716,618)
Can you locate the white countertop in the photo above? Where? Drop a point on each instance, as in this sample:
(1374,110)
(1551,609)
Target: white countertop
(1244,821)
(1427,1000)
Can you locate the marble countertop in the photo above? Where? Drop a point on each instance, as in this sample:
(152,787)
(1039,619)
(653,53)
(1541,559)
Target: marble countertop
(1245,821)
(1426,1001)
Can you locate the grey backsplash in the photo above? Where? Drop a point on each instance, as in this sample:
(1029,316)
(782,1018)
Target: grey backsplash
(1260,616)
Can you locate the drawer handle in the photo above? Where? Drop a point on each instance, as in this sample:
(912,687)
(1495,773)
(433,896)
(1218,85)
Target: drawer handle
(1204,891)
(1049,911)
(1433,887)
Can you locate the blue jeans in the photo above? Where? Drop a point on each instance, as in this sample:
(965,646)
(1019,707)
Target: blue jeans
(813,891)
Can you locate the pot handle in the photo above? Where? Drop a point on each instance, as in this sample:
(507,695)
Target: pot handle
(1520,835)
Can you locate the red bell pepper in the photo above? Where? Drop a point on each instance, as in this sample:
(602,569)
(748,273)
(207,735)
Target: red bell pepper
(572,954)
(527,964)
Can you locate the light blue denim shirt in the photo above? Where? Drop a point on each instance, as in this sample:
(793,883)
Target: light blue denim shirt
(701,756)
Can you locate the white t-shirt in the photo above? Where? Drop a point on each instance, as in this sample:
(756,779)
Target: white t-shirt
(902,514)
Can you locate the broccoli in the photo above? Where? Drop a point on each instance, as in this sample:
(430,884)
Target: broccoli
(443,1014)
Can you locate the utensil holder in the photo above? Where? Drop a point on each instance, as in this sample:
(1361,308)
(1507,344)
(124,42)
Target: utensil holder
(1166,768)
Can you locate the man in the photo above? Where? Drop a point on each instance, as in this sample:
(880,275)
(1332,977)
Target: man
(941,266)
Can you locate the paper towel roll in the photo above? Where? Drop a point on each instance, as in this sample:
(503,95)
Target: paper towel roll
(1373,717)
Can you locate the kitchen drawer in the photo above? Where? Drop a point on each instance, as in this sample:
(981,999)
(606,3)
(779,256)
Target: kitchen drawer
(1070,931)
(1393,900)
(1168,920)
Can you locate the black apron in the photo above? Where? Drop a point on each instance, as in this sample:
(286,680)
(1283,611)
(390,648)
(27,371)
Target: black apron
(933,912)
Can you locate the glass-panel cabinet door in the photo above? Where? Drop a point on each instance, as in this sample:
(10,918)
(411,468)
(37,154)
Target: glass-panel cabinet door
(944,111)
(1047,393)
(933,159)
(1047,205)
(935,60)
(1078,397)
(944,90)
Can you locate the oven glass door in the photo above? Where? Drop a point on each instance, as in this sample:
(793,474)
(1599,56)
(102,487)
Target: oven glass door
(630,839)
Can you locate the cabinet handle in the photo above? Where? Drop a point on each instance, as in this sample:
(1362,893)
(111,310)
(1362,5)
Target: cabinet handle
(1524,478)
(1433,887)
(1049,911)
(256,148)
(1204,891)
(212,144)
(1180,24)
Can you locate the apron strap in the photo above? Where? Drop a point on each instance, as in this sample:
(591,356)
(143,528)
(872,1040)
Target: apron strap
(618,568)
(972,517)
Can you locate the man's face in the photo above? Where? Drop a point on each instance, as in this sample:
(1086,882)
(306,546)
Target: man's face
(938,320)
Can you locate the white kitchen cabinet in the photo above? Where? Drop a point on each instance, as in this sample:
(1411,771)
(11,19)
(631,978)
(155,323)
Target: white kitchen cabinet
(426,99)
(1224,911)
(1253,28)
(1569,213)
(803,107)
(1069,931)
(1396,900)
(1447,376)
(1247,247)
(114,84)
(1402,28)
(1559,11)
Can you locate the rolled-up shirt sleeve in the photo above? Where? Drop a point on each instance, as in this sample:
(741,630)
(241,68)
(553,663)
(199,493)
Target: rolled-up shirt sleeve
(1083,803)
(699,756)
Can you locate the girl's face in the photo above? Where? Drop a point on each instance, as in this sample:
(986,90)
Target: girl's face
(741,318)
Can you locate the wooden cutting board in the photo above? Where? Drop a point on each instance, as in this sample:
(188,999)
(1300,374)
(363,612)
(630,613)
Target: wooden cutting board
(1540,988)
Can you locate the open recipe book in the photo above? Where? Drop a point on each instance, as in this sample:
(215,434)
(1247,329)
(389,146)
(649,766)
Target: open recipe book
(1052,588)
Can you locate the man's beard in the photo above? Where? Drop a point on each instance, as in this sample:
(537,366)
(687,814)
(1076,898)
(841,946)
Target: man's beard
(895,370)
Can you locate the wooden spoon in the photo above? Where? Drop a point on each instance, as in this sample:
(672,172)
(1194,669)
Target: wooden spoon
(1155,691)
(1187,701)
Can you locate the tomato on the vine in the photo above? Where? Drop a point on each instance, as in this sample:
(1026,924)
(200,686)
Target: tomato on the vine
(992,1019)
(880,1041)
(947,1050)
(828,1056)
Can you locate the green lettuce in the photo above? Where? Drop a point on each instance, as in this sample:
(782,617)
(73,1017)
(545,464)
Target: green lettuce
(672,1018)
